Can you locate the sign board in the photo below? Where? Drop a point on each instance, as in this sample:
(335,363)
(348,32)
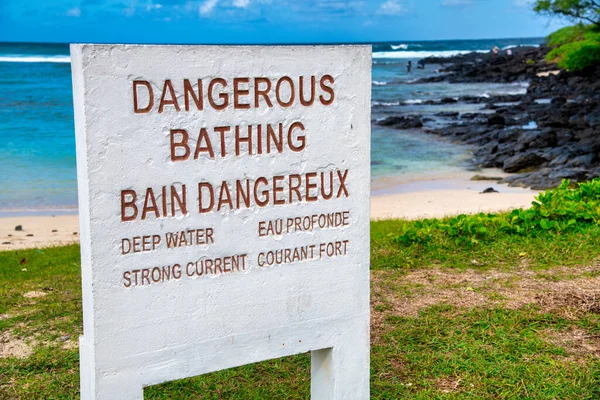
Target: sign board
(224,211)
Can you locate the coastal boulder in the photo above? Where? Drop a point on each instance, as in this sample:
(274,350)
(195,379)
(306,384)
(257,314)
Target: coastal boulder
(538,139)
(520,161)
(407,122)
(593,119)
(449,100)
(496,119)
(448,114)
(585,160)
(508,136)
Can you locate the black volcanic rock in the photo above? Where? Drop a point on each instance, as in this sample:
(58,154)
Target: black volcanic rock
(496,119)
(548,134)
(407,122)
(522,161)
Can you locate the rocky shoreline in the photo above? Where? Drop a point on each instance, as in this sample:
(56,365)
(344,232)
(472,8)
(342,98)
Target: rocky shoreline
(549,134)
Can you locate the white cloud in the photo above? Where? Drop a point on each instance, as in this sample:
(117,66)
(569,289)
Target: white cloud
(457,3)
(207,7)
(74,12)
(151,7)
(241,3)
(391,7)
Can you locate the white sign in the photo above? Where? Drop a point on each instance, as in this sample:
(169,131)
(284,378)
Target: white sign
(224,211)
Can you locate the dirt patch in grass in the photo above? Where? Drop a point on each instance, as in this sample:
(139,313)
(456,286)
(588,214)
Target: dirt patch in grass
(573,302)
(13,347)
(448,384)
(567,291)
(576,342)
(34,294)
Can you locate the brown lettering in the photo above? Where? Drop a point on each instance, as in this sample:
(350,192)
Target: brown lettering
(313,83)
(310,186)
(223,96)
(300,138)
(163,100)
(327,89)
(290,82)
(237,92)
(264,93)
(125,204)
(211,204)
(183,143)
(188,91)
(136,107)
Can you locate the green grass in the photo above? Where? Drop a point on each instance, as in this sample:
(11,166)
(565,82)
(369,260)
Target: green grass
(502,251)
(480,354)
(444,352)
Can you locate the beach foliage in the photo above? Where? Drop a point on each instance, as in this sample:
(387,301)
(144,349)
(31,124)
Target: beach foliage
(574,10)
(559,218)
(580,55)
(570,34)
(554,211)
(575,47)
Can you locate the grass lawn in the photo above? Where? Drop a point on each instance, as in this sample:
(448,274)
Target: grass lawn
(509,317)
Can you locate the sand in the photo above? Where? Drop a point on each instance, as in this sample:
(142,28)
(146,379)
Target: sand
(440,198)
(38,231)
(409,200)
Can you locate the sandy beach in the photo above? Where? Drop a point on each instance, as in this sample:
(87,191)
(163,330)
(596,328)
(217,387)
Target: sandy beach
(38,231)
(429,198)
(437,198)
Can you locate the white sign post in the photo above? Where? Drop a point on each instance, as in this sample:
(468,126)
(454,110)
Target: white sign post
(224,211)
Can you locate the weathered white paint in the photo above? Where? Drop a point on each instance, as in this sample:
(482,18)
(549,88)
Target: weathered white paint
(140,336)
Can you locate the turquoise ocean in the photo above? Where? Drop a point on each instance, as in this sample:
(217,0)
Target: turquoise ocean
(37,137)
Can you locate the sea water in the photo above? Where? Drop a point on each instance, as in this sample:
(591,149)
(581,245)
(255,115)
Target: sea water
(37,139)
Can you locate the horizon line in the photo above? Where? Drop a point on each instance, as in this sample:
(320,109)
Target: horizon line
(273,43)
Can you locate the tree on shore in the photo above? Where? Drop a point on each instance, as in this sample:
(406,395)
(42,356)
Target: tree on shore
(577,47)
(576,10)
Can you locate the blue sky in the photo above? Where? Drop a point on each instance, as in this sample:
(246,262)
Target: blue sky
(266,21)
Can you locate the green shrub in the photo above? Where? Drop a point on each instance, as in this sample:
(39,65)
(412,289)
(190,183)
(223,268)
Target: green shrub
(575,47)
(555,211)
(568,34)
(580,55)
(530,62)
(557,53)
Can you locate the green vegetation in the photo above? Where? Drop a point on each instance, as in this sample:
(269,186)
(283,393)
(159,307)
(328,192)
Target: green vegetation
(482,306)
(575,10)
(561,218)
(575,47)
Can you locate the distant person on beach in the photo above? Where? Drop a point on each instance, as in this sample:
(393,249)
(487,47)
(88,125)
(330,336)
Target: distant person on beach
(509,52)
(408,66)
(421,64)
(495,52)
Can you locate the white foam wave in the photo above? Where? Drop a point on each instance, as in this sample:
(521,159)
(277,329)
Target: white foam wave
(378,83)
(385,104)
(424,54)
(399,46)
(413,101)
(35,59)
(517,92)
(515,46)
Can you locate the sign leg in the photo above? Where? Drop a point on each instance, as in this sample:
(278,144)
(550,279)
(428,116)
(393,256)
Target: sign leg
(119,392)
(339,373)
